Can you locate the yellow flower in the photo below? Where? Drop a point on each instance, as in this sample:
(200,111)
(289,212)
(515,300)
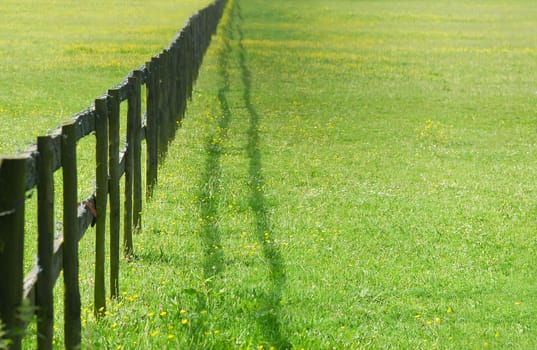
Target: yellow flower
(171,336)
(437,320)
(163,313)
(183,311)
(449,310)
(155,333)
(150,314)
(184,321)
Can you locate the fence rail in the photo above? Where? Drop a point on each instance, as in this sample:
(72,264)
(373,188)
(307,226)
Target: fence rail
(169,78)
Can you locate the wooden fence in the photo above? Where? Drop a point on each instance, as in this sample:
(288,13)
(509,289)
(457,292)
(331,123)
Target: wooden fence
(168,77)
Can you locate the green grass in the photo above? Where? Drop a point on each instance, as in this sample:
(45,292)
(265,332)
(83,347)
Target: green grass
(354,174)
(351,174)
(58,56)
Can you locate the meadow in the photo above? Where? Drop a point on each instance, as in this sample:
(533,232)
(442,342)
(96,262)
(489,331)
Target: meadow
(350,175)
(58,56)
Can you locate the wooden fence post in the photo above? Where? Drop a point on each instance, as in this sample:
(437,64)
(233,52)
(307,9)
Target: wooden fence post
(137,152)
(181,77)
(101,170)
(72,323)
(174,104)
(45,219)
(163,114)
(189,55)
(132,111)
(170,86)
(152,127)
(12,191)
(115,210)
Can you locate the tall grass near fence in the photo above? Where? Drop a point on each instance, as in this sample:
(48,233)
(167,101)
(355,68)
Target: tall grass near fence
(169,78)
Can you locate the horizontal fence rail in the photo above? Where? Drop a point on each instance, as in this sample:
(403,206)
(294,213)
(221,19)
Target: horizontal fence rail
(168,78)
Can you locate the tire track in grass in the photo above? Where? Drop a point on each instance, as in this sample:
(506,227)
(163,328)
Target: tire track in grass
(268,318)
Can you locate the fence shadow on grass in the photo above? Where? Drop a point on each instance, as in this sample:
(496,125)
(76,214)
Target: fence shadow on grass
(268,316)
(210,190)
(269,319)
(211,180)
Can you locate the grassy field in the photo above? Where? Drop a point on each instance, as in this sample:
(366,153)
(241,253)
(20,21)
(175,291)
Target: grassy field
(351,174)
(59,55)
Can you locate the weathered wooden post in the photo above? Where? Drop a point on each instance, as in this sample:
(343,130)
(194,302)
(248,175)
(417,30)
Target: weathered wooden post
(181,76)
(137,152)
(132,117)
(12,190)
(152,127)
(163,114)
(113,189)
(72,322)
(45,219)
(101,170)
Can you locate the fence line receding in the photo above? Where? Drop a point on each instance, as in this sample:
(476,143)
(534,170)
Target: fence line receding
(168,78)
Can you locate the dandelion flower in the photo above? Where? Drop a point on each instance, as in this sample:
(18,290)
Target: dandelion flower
(184,321)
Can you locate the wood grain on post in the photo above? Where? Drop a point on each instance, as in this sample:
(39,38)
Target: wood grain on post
(115,210)
(12,190)
(189,55)
(45,219)
(152,127)
(132,111)
(172,64)
(72,323)
(101,170)
(170,94)
(182,82)
(162,106)
(137,152)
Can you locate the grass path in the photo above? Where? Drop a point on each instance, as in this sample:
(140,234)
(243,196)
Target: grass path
(351,174)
